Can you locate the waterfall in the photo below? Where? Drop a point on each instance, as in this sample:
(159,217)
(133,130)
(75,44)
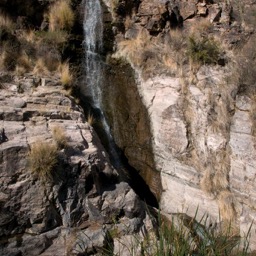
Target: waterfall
(93,34)
(93,45)
(94,82)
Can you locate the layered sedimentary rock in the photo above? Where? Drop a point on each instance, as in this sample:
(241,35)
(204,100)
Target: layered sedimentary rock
(200,112)
(82,200)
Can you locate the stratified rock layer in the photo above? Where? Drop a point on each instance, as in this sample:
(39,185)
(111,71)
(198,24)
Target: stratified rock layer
(200,116)
(74,211)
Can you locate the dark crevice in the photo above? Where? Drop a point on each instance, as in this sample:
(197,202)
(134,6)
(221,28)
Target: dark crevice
(126,171)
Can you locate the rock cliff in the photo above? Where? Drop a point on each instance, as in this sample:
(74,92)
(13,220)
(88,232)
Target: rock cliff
(179,95)
(59,193)
(73,209)
(193,63)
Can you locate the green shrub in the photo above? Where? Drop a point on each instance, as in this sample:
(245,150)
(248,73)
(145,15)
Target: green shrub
(185,236)
(43,157)
(203,50)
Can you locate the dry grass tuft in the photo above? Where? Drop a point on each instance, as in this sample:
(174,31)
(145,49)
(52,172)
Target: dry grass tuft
(133,49)
(24,64)
(59,136)
(177,40)
(40,67)
(20,70)
(113,6)
(206,182)
(220,180)
(29,36)
(61,16)
(8,58)
(42,158)
(6,23)
(173,54)
(226,205)
(56,37)
(66,77)
(90,119)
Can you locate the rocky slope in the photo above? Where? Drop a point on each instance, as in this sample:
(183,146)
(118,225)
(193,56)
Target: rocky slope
(59,193)
(75,209)
(194,75)
(179,96)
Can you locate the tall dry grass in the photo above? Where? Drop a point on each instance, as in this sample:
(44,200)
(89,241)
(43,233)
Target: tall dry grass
(61,16)
(66,76)
(40,67)
(133,49)
(42,159)
(6,23)
(59,136)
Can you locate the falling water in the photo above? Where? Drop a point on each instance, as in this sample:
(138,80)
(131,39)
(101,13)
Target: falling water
(94,68)
(93,44)
(93,34)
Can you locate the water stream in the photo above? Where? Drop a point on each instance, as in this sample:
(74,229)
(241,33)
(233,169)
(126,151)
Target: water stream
(93,44)
(94,82)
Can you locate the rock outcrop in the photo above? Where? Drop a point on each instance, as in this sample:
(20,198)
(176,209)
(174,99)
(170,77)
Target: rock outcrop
(74,210)
(200,109)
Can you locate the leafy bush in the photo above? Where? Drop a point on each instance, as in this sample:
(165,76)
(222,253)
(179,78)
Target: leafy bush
(61,16)
(203,50)
(43,157)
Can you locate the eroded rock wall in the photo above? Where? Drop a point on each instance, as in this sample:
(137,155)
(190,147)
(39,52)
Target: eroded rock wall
(200,114)
(134,139)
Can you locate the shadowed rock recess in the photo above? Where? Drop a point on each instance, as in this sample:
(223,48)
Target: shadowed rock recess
(178,96)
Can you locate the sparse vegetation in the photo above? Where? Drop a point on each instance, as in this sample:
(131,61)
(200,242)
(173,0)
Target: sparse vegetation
(185,236)
(61,16)
(56,37)
(42,158)
(25,51)
(40,67)
(6,24)
(66,77)
(59,137)
(178,236)
(134,48)
(90,119)
(203,50)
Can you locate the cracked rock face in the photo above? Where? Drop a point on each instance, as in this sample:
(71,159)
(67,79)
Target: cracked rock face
(74,210)
(189,145)
(201,122)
